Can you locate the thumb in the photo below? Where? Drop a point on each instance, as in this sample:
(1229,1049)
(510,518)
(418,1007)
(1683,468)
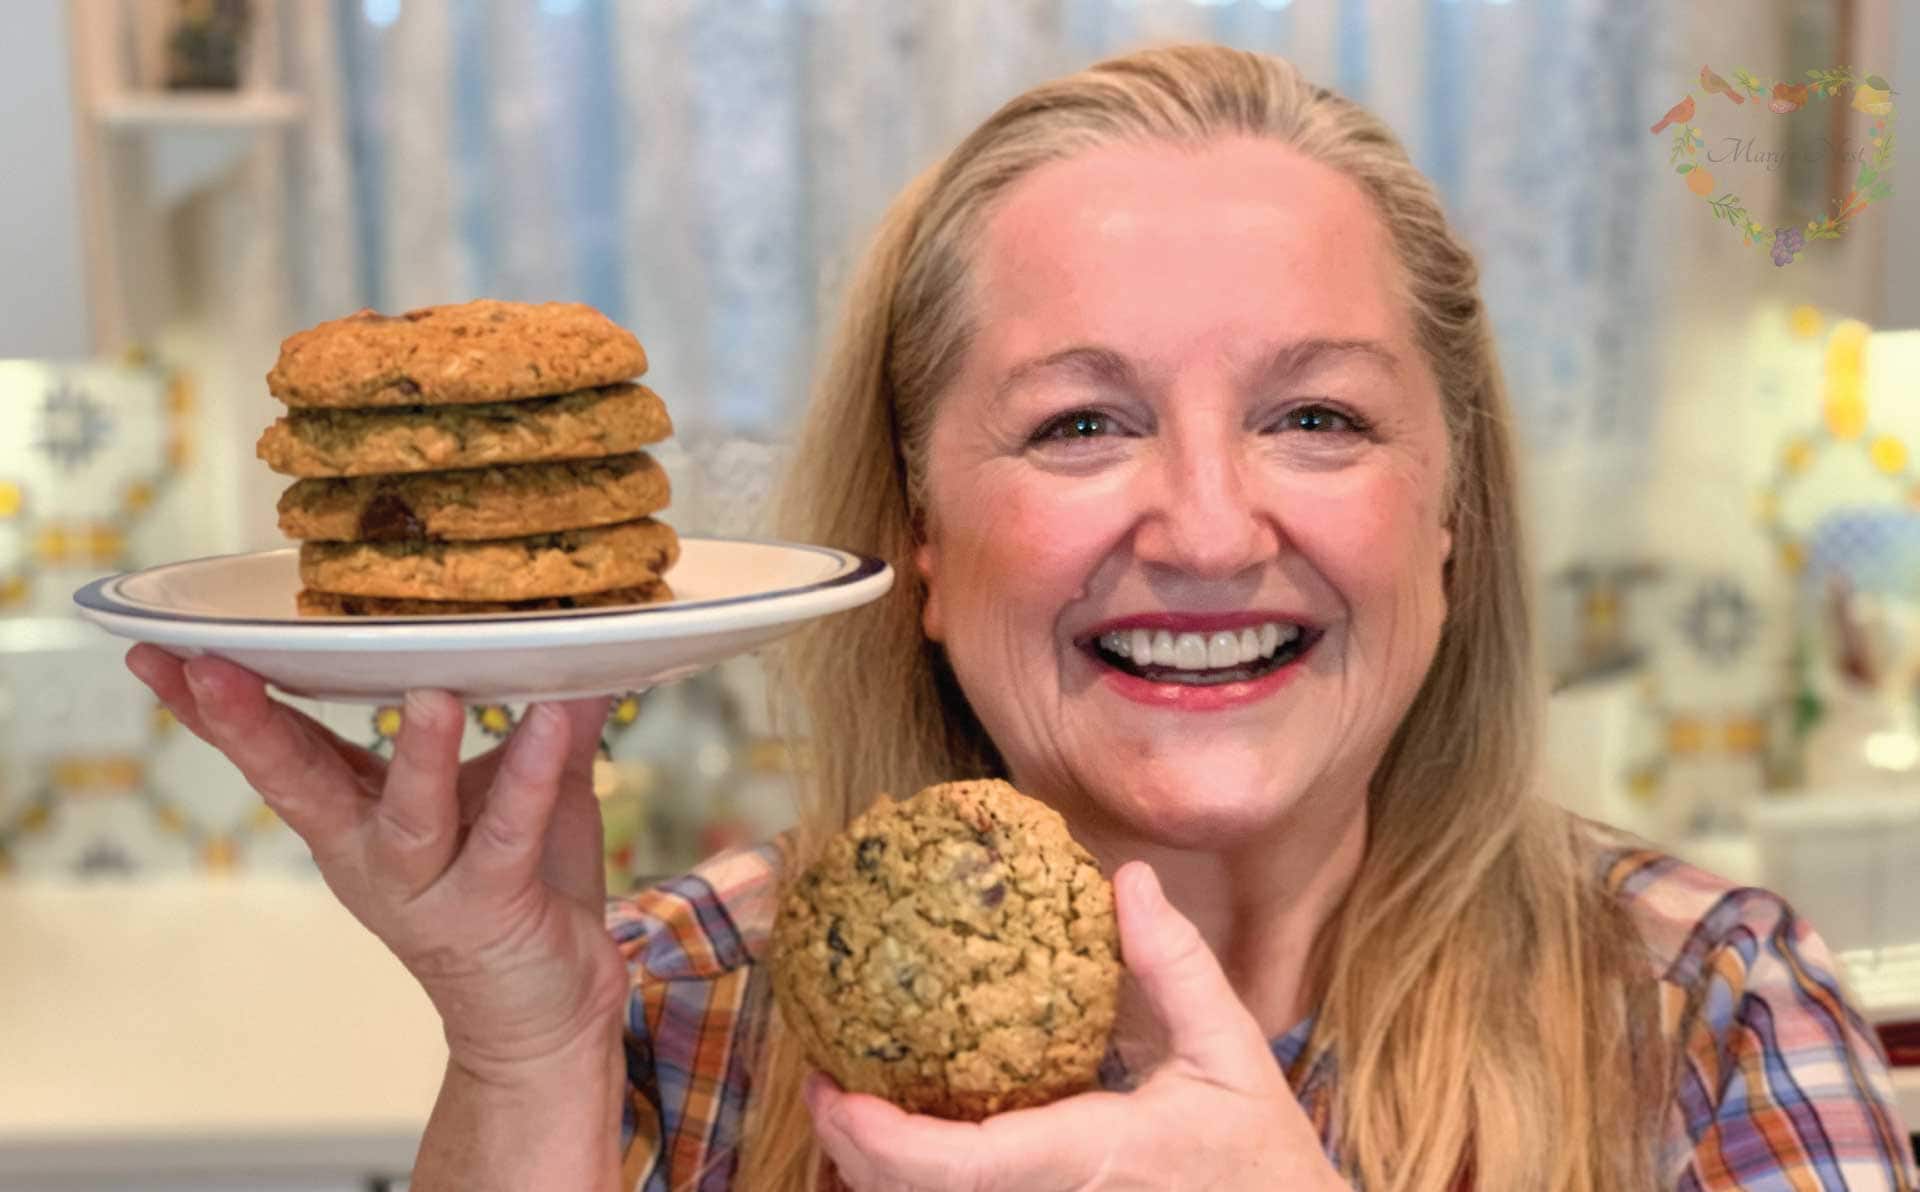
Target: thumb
(1207,1025)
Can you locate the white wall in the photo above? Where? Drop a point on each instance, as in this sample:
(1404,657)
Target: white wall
(43,309)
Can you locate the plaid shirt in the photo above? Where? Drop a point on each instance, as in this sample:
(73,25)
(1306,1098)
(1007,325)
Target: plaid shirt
(1783,1086)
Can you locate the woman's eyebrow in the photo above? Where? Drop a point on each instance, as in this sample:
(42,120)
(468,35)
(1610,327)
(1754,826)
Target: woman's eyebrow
(1084,361)
(1302,355)
(1105,366)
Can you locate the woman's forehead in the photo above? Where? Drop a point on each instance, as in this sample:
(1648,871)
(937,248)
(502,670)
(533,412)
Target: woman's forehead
(1175,249)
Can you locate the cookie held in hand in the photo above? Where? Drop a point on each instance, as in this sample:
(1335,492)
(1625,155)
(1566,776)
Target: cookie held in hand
(955,953)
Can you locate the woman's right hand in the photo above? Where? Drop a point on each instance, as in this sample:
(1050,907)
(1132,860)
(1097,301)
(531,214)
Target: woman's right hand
(485,879)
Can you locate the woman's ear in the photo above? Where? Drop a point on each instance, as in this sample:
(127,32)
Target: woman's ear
(926,562)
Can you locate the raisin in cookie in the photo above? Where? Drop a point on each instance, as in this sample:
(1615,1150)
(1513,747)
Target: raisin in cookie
(480,351)
(510,501)
(612,420)
(955,953)
(568,563)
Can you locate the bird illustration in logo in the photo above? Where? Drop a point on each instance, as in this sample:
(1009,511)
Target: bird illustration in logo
(1679,113)
(1716,85)
(1787,99)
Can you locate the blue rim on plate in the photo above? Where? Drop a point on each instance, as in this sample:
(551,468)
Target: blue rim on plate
(99,596)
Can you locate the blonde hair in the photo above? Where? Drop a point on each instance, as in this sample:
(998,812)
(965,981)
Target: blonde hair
(1487,1003)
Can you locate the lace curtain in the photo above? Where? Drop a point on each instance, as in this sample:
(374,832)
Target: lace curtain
(705,171)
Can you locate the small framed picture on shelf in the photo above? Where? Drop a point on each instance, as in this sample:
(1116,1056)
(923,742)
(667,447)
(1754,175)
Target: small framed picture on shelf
(205,44)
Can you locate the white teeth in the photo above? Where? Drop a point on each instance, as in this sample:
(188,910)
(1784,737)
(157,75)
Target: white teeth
(1199,651)
(1163,654)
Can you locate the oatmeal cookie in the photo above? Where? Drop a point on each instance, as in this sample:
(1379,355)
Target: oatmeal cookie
(333,604)
(955,953)
(510,501)
(612,420)
(484,351)
(567,563)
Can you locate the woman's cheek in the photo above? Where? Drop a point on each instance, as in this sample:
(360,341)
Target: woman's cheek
(1048,533)
(1364,531)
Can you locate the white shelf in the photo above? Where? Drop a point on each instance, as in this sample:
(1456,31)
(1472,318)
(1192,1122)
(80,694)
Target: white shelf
(1885,981)
(145,150)
(136,110)
(177,142)
(1906,1091)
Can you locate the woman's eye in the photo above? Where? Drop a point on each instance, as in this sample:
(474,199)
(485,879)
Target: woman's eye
(1319,419)
(1080,424)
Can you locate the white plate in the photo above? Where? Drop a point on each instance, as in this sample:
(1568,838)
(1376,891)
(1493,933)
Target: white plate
(730,596)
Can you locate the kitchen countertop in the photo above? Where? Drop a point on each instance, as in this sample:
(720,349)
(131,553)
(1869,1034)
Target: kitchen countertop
(205,1025)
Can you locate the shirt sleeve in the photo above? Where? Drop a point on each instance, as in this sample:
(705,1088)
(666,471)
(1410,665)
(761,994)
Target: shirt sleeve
(1783,1085)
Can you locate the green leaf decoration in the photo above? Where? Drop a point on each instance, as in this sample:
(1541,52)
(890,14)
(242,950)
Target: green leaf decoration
(1685,169)
(1685,143)
(1808,711)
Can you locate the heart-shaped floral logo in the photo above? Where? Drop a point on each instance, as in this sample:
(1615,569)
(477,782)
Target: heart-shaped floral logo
(1870,95)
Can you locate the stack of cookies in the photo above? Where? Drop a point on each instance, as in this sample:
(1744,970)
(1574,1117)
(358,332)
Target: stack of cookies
(480,458)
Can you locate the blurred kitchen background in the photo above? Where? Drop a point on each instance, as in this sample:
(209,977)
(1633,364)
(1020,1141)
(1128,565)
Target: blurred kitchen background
(1723,451)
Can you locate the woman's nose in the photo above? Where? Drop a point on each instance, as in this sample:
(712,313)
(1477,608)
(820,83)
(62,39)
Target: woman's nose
(1206,518)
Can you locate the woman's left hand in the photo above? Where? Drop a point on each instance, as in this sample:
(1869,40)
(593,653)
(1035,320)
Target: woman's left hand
(1217,1114)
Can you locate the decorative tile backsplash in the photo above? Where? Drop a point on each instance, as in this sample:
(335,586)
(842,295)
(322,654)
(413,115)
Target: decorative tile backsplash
(1803,472)
(92,457)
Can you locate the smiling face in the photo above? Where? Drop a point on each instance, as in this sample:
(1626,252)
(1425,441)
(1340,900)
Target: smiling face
(1185,527)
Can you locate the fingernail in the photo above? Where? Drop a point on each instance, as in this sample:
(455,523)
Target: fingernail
(421,708)
(541,721)
(1146,888)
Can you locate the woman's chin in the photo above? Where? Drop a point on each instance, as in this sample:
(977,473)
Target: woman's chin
(1197,818)
(1189,790)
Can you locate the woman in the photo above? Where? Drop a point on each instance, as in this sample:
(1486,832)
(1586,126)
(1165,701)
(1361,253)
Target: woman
(1165,352)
